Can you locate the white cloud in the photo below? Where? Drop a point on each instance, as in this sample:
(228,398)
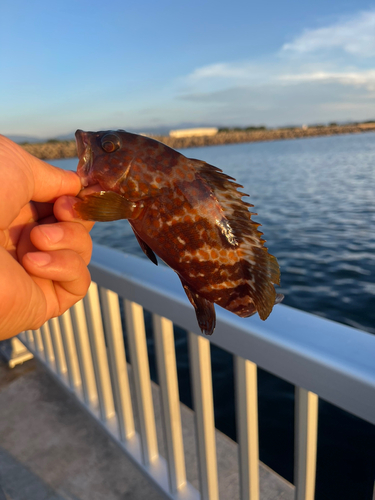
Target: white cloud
(354,36)
(227,72)
(297,61)
(364,79)
(219,70)
(326,74)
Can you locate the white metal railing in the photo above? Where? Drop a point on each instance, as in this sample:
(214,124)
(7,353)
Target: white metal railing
(85,350)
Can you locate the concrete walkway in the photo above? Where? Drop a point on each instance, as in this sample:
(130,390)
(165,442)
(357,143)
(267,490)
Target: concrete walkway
(51,450)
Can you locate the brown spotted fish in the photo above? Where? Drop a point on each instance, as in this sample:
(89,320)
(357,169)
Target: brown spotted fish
(188,213)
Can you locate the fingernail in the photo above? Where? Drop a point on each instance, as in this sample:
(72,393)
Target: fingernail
(39,258)
(53,232)
(68,202)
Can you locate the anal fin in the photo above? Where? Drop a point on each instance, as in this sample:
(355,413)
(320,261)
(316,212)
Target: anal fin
(105,206)
(204,309)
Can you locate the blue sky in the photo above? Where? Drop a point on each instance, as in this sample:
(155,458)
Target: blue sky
(96,65)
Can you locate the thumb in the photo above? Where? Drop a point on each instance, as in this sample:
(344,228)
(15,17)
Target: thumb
(51,182)
(24,178)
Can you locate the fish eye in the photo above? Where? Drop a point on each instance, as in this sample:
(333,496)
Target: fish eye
(110,143)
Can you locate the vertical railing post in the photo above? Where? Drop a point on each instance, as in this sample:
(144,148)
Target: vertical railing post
(306,433)
(136,335)
(38,343)
(167,371)
(84,354)
(99,352)
(247,427)
(70,349)
(58,348)
(30,339)
(118,365)
(200,370)
(47,344)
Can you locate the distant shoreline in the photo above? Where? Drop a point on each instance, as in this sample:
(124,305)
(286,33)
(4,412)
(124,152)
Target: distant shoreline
(67,149)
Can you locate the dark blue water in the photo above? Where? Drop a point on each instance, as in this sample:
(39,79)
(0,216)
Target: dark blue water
(315,199)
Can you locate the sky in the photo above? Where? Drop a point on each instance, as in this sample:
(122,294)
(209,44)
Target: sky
(143,64)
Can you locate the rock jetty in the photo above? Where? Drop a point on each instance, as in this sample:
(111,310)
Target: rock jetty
(67,149)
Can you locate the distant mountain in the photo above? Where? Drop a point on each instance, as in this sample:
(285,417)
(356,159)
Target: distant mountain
(28,138)
(66,137)
(24,138)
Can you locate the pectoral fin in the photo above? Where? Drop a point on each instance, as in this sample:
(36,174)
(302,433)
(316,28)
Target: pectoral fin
(105,206)
(204,309)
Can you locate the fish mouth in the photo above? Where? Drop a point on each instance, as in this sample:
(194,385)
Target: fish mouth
(85,156)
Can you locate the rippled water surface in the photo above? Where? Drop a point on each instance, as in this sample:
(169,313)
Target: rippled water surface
(315,199)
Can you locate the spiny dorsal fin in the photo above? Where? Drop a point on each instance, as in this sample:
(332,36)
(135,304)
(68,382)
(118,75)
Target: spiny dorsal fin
(266,270)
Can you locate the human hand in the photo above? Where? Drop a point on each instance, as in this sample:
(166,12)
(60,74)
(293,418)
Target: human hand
(44,248)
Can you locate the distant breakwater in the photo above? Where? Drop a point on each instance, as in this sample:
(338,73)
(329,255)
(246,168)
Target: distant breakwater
(67,149)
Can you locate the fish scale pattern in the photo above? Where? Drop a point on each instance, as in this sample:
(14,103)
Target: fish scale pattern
(187,212)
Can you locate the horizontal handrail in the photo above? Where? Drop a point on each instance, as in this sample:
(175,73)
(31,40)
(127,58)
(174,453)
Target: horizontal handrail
(328,358)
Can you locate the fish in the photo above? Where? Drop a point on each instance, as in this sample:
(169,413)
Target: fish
(187,212)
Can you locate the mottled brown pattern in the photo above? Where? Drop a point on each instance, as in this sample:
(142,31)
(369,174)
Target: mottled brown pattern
(189,213)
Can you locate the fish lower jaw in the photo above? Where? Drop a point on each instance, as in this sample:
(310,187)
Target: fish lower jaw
(83,174)
(94,188)
(84,167)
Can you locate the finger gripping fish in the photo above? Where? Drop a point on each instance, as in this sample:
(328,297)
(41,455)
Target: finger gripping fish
(187,212)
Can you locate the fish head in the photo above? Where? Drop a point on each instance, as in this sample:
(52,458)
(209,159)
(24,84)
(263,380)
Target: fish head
(102,158)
